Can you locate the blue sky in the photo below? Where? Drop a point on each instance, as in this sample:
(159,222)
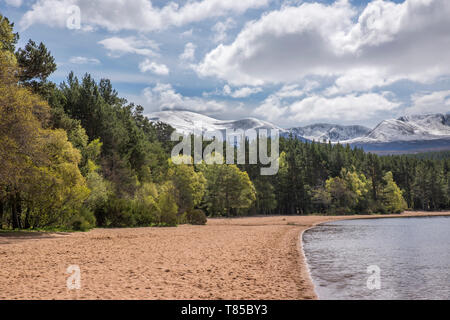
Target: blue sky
(290,62)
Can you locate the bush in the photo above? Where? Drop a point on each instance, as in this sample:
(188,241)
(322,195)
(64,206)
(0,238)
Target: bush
(145,215)
(145,208)
(167,205)
(196,217)
(83,221)
(182,218)
(119,213)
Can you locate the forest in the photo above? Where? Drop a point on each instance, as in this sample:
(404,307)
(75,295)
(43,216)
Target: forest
(76,155)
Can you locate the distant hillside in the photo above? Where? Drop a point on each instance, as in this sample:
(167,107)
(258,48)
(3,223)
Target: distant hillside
(405,135)
(438,155)
(330,132)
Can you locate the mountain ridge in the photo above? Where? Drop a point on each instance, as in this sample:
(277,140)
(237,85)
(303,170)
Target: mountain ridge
(404,134)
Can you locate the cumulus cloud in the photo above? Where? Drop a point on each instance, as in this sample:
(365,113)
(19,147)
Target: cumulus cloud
(84,60)
(189,52)
(377,46)
(271,109)
(296,90)
(315,107)
(220,29)
(348,107)
(187,33)
(240,93)
(364,79)
(434,102)
(141,15)
(156,68)
(164,97)
(117,46)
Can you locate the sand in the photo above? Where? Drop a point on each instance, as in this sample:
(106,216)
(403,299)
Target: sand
(244,258)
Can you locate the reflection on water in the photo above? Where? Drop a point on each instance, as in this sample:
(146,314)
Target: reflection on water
(412,253)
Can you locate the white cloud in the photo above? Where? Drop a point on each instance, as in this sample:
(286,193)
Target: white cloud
(245,92)
(290,90)
(227,90)
(271,109)
(221,28)
(187,33)
(132,45)
(348,107)
(318,108)
(189,52)
(164,97)
(240,93)
(159,69)
(364,79)
(141,15)
(296,90)
(14,3)
(84,60)
(435,102)
(377,46)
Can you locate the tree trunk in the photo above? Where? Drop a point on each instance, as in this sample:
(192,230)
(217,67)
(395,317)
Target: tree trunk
(19,210)
(14,219)
(16,211)
(27,219)
(1,215)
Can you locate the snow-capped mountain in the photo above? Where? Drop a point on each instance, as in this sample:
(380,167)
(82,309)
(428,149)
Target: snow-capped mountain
(408,128)
(185,122)
(408,134)
(330,132)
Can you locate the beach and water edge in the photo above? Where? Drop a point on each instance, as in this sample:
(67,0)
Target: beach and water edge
(252,258)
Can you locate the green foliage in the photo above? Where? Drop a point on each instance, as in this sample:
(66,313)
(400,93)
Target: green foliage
(40,173)
(77,155)
(117,213)
(100,191)
(342,198)
(130,151)
(84,220)
(36,64)
(344,194)
(167,205)
(429,189)
(146,208)
(196,217)
(266,201)
(393,201)
(8,39)
(189,184)
(228,189)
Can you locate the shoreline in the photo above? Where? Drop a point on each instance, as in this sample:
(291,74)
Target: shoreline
(406,214)
(246,258)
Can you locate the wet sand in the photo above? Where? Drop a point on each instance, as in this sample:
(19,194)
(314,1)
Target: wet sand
(242,258)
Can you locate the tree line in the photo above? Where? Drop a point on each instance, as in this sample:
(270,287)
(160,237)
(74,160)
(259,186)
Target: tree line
(77,156)
(338,179)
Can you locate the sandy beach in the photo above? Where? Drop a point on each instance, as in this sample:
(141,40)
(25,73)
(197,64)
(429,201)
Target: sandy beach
(242,258)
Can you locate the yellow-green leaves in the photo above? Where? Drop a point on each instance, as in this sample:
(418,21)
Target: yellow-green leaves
(228,189)
(39,165)
(393,200)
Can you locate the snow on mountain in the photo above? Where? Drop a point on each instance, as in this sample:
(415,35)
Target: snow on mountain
(411,132)
(330,132)
(409,128)
(185,122)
